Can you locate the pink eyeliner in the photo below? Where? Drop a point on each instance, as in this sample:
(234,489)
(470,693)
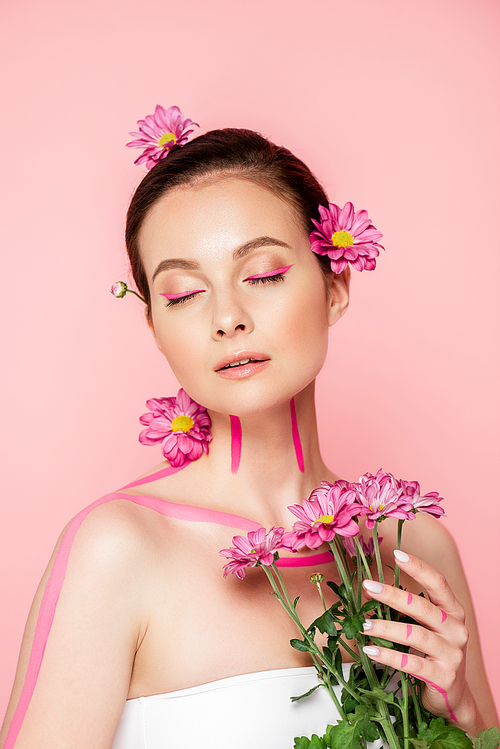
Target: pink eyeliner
(184,293)
(273,273)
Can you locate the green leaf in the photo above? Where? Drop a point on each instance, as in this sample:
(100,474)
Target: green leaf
(296,602)
(344,736)
(338,661)
(378,694)
(328,656)
(301,742)
(487,739)
(334,587)
(306,694)
(300,645)
(441,736)
(352,625)
(382,643)
(326,623)
(420,743)
(333,641)
(369,606)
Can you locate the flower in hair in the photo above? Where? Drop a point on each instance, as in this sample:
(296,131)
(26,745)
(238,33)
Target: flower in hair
(180,424)
(159,132)
(346,236)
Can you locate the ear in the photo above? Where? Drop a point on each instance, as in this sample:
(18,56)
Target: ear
(338,295)
(149,320)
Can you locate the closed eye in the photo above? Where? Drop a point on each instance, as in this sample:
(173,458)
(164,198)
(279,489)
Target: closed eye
(181,298)
(277,275)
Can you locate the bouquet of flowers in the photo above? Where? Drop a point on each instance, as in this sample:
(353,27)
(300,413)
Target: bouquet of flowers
(375,702)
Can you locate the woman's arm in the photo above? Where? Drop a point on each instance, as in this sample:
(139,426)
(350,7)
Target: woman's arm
(83,681)
(453,666)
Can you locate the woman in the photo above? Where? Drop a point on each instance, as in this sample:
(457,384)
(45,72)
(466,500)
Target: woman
(218,238)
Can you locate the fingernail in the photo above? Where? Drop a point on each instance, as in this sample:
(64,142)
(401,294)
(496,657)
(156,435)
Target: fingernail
(371,650)
(401,556)
(372,586)
(367,625)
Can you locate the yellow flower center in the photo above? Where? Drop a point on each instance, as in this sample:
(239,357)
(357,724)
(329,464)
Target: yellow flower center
(182,423)
(380,508)
(166,138)
(324,519)
(342,239)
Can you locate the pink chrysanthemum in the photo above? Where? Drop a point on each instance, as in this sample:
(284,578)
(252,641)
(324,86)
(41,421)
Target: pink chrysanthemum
(180,424)
(428,503)
(329,511)
(258,547)
(382,496)
(346,237)
(159,132)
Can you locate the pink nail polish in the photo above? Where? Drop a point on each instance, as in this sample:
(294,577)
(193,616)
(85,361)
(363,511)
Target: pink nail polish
(372,586)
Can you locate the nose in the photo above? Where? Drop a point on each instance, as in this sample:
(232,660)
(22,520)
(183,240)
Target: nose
(230,319)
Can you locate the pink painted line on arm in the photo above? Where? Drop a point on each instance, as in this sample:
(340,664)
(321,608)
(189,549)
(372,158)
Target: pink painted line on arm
(404,660)
(184,293)
(57,575)
(444,616)
(408,630)
(444,695)
(410,598)
(235,443)
(272,273)
(296,437)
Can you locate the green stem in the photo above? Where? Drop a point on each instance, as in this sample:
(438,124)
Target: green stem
(385,720)
(396,571)
(360,551)
(376,548)
(349,650)
(318,585)
(131,291)
(416,701)
(344,575)
(406,726)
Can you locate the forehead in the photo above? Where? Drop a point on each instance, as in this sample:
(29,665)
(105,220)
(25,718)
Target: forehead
(208,221)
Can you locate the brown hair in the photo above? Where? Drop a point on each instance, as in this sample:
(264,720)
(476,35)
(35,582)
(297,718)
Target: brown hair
(229,152)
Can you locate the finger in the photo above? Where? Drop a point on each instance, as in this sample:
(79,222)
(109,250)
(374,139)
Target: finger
(424,640)
(434,582)
(416,607)
(415,666)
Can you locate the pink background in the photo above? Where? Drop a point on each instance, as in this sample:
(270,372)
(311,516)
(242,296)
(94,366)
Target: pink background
(394,104)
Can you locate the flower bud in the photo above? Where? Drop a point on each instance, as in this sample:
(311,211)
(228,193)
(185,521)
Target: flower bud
(317,578)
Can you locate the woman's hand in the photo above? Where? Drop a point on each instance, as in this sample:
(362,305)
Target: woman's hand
(442,638)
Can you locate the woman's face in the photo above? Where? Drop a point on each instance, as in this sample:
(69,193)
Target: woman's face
(233,279)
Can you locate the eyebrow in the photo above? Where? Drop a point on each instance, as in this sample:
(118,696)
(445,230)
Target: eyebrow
(239,252)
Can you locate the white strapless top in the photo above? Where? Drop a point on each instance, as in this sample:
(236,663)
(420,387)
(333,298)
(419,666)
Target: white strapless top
(252,711)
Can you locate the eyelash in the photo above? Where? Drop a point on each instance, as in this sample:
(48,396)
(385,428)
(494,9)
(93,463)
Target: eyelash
(267,279)
(253,281)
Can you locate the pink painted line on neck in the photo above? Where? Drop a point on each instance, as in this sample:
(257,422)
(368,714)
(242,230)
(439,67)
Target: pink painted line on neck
(408,630)
(410,598)
(296,437)
(235,443)
(443,693)
(272,273)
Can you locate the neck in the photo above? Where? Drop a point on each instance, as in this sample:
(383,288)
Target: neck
(269,475)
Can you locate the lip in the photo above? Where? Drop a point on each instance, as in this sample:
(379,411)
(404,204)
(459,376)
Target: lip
(261,361)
